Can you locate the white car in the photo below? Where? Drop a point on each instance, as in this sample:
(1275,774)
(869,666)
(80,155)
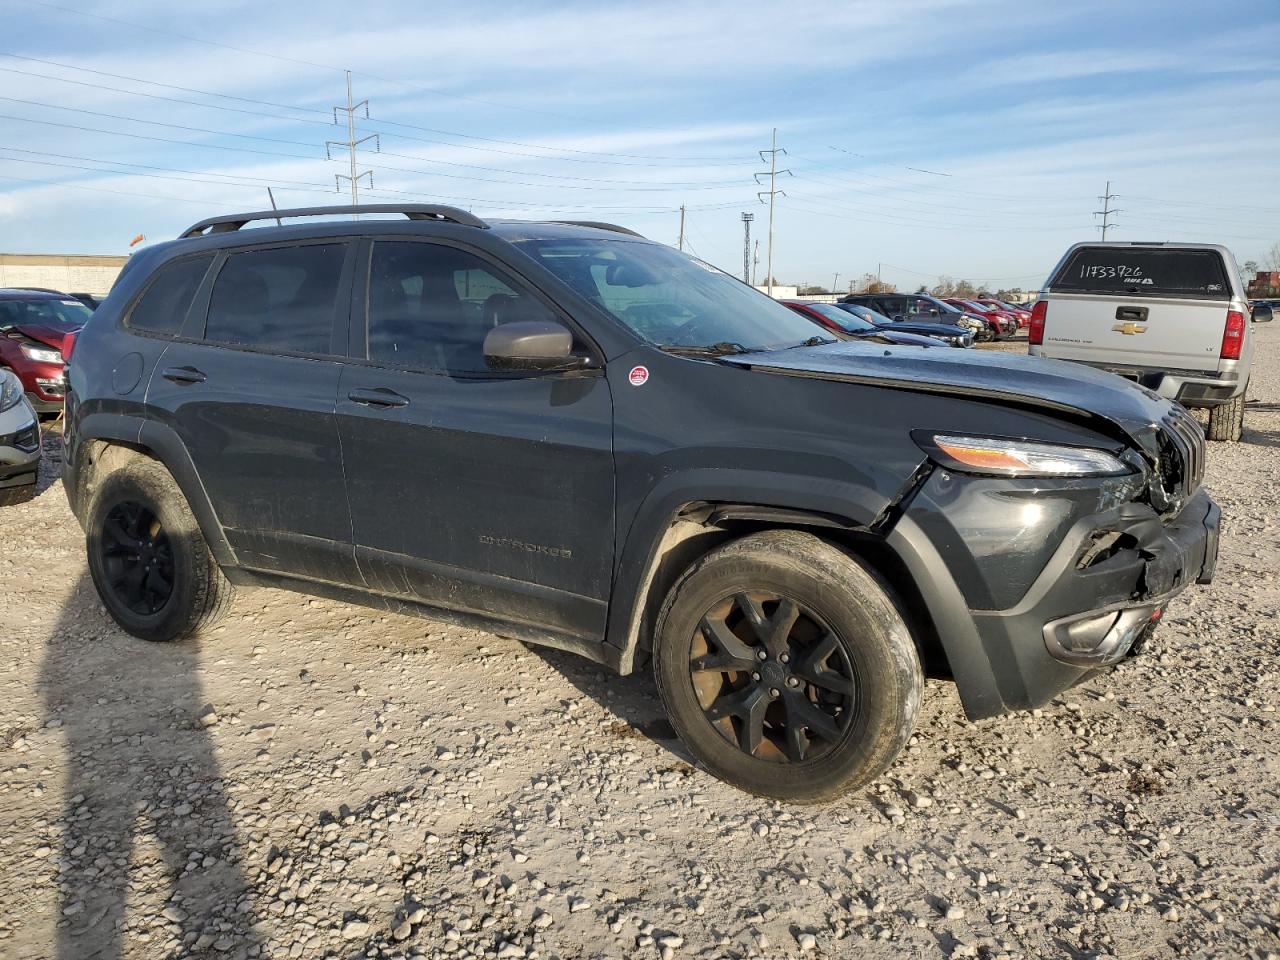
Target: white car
(1170,316)
(19,442)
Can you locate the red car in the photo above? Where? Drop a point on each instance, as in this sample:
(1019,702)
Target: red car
(1006,321)
(1022,313)
(35,326)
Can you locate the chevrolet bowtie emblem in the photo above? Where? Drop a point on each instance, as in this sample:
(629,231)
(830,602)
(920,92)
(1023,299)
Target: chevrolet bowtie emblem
(1129,328)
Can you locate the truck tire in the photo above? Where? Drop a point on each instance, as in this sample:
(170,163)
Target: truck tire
(785,667)
(1226,420)
(147,557)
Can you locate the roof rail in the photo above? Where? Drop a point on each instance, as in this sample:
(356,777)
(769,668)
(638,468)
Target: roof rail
(414,211)
(601,226)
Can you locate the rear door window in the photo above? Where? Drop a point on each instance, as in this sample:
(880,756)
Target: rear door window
(282,299)
(1132,271)
(165,304)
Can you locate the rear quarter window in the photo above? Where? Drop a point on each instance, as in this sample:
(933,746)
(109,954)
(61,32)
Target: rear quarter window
(1137,272)
(164,305)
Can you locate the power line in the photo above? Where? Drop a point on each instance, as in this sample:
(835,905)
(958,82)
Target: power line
(587,156)
(157,83)
(157,123)
(307,63)
(197,176)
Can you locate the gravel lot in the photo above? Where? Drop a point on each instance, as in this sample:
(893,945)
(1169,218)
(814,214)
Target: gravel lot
(315,780)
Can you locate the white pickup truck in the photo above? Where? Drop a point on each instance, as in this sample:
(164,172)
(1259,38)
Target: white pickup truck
(1171,316)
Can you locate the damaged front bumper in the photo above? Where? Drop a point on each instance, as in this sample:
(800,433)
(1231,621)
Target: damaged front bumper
(1169,555)
(1091,607)
(1031,588)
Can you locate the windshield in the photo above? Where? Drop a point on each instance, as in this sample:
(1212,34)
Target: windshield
(61,315)
(866,313)
(671,299)
(979,307)
(845,319)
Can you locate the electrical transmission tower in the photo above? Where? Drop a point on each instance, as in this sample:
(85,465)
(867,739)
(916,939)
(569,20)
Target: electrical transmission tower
(834,281)
(746,246)
(1107,211)
(351,143)
(771,193)
(680,242)
(755,265)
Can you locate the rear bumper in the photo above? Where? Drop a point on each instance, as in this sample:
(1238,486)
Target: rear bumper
(1088,607)
(1191,388)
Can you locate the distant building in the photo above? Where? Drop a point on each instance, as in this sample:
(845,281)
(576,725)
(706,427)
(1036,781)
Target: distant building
(1266,283)
(66,273)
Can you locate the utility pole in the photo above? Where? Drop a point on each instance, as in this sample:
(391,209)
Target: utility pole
(1107,211)
(746,246)
(834,281)
(680,242)
(351,143)
(771,193)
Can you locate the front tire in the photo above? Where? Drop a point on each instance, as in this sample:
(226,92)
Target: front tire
(148,559)
(786,669)
(1226,421)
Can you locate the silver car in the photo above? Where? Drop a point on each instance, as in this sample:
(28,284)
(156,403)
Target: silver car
(1171,316)
(19,442)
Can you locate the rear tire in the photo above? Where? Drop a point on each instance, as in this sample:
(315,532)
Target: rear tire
(1226,421)
(147,557)
(786,669)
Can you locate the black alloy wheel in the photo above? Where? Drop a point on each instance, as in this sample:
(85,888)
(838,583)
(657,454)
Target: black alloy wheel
(772,678)
(137,557)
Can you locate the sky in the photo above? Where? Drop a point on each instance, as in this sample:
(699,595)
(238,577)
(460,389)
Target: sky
(923,138)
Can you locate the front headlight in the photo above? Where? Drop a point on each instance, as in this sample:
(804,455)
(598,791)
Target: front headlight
(1019,458)
(10,390)
(41,354)
(969,322)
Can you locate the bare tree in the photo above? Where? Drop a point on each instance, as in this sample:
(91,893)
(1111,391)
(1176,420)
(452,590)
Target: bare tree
(1272,258)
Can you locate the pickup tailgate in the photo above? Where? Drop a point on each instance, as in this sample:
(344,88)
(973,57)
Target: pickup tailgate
(1122,305)
(1138,332)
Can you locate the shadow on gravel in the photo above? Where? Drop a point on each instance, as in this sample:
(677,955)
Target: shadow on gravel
(633,699)
(1260,438)
(148,844)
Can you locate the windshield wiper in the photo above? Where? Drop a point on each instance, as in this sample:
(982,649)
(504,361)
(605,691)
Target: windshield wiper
(724,348)
(812,342)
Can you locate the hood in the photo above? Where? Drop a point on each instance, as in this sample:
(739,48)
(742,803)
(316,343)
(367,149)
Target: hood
(1054,385)
(924,329)
(906,338)
(51,336)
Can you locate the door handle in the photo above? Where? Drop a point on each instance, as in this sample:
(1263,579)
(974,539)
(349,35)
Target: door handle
(379,397)
(184,375)
(1132,313)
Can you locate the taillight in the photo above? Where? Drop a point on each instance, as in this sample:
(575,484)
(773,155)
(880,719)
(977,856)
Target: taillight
(1233,335)
(68,344)
(1035,332)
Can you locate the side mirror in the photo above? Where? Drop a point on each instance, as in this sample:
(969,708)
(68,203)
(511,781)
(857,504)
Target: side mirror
(1263,313)
(531,345)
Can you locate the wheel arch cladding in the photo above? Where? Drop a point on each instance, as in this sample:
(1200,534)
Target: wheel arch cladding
(670,535)
(123,439)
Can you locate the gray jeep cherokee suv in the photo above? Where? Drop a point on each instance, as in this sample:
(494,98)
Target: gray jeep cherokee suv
(573,436)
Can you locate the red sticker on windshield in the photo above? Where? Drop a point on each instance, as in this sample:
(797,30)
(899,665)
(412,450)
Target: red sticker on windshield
(638,376)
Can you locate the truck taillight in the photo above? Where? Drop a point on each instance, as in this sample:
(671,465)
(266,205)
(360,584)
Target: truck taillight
(1035,332)
(68,344)
(1233,335)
